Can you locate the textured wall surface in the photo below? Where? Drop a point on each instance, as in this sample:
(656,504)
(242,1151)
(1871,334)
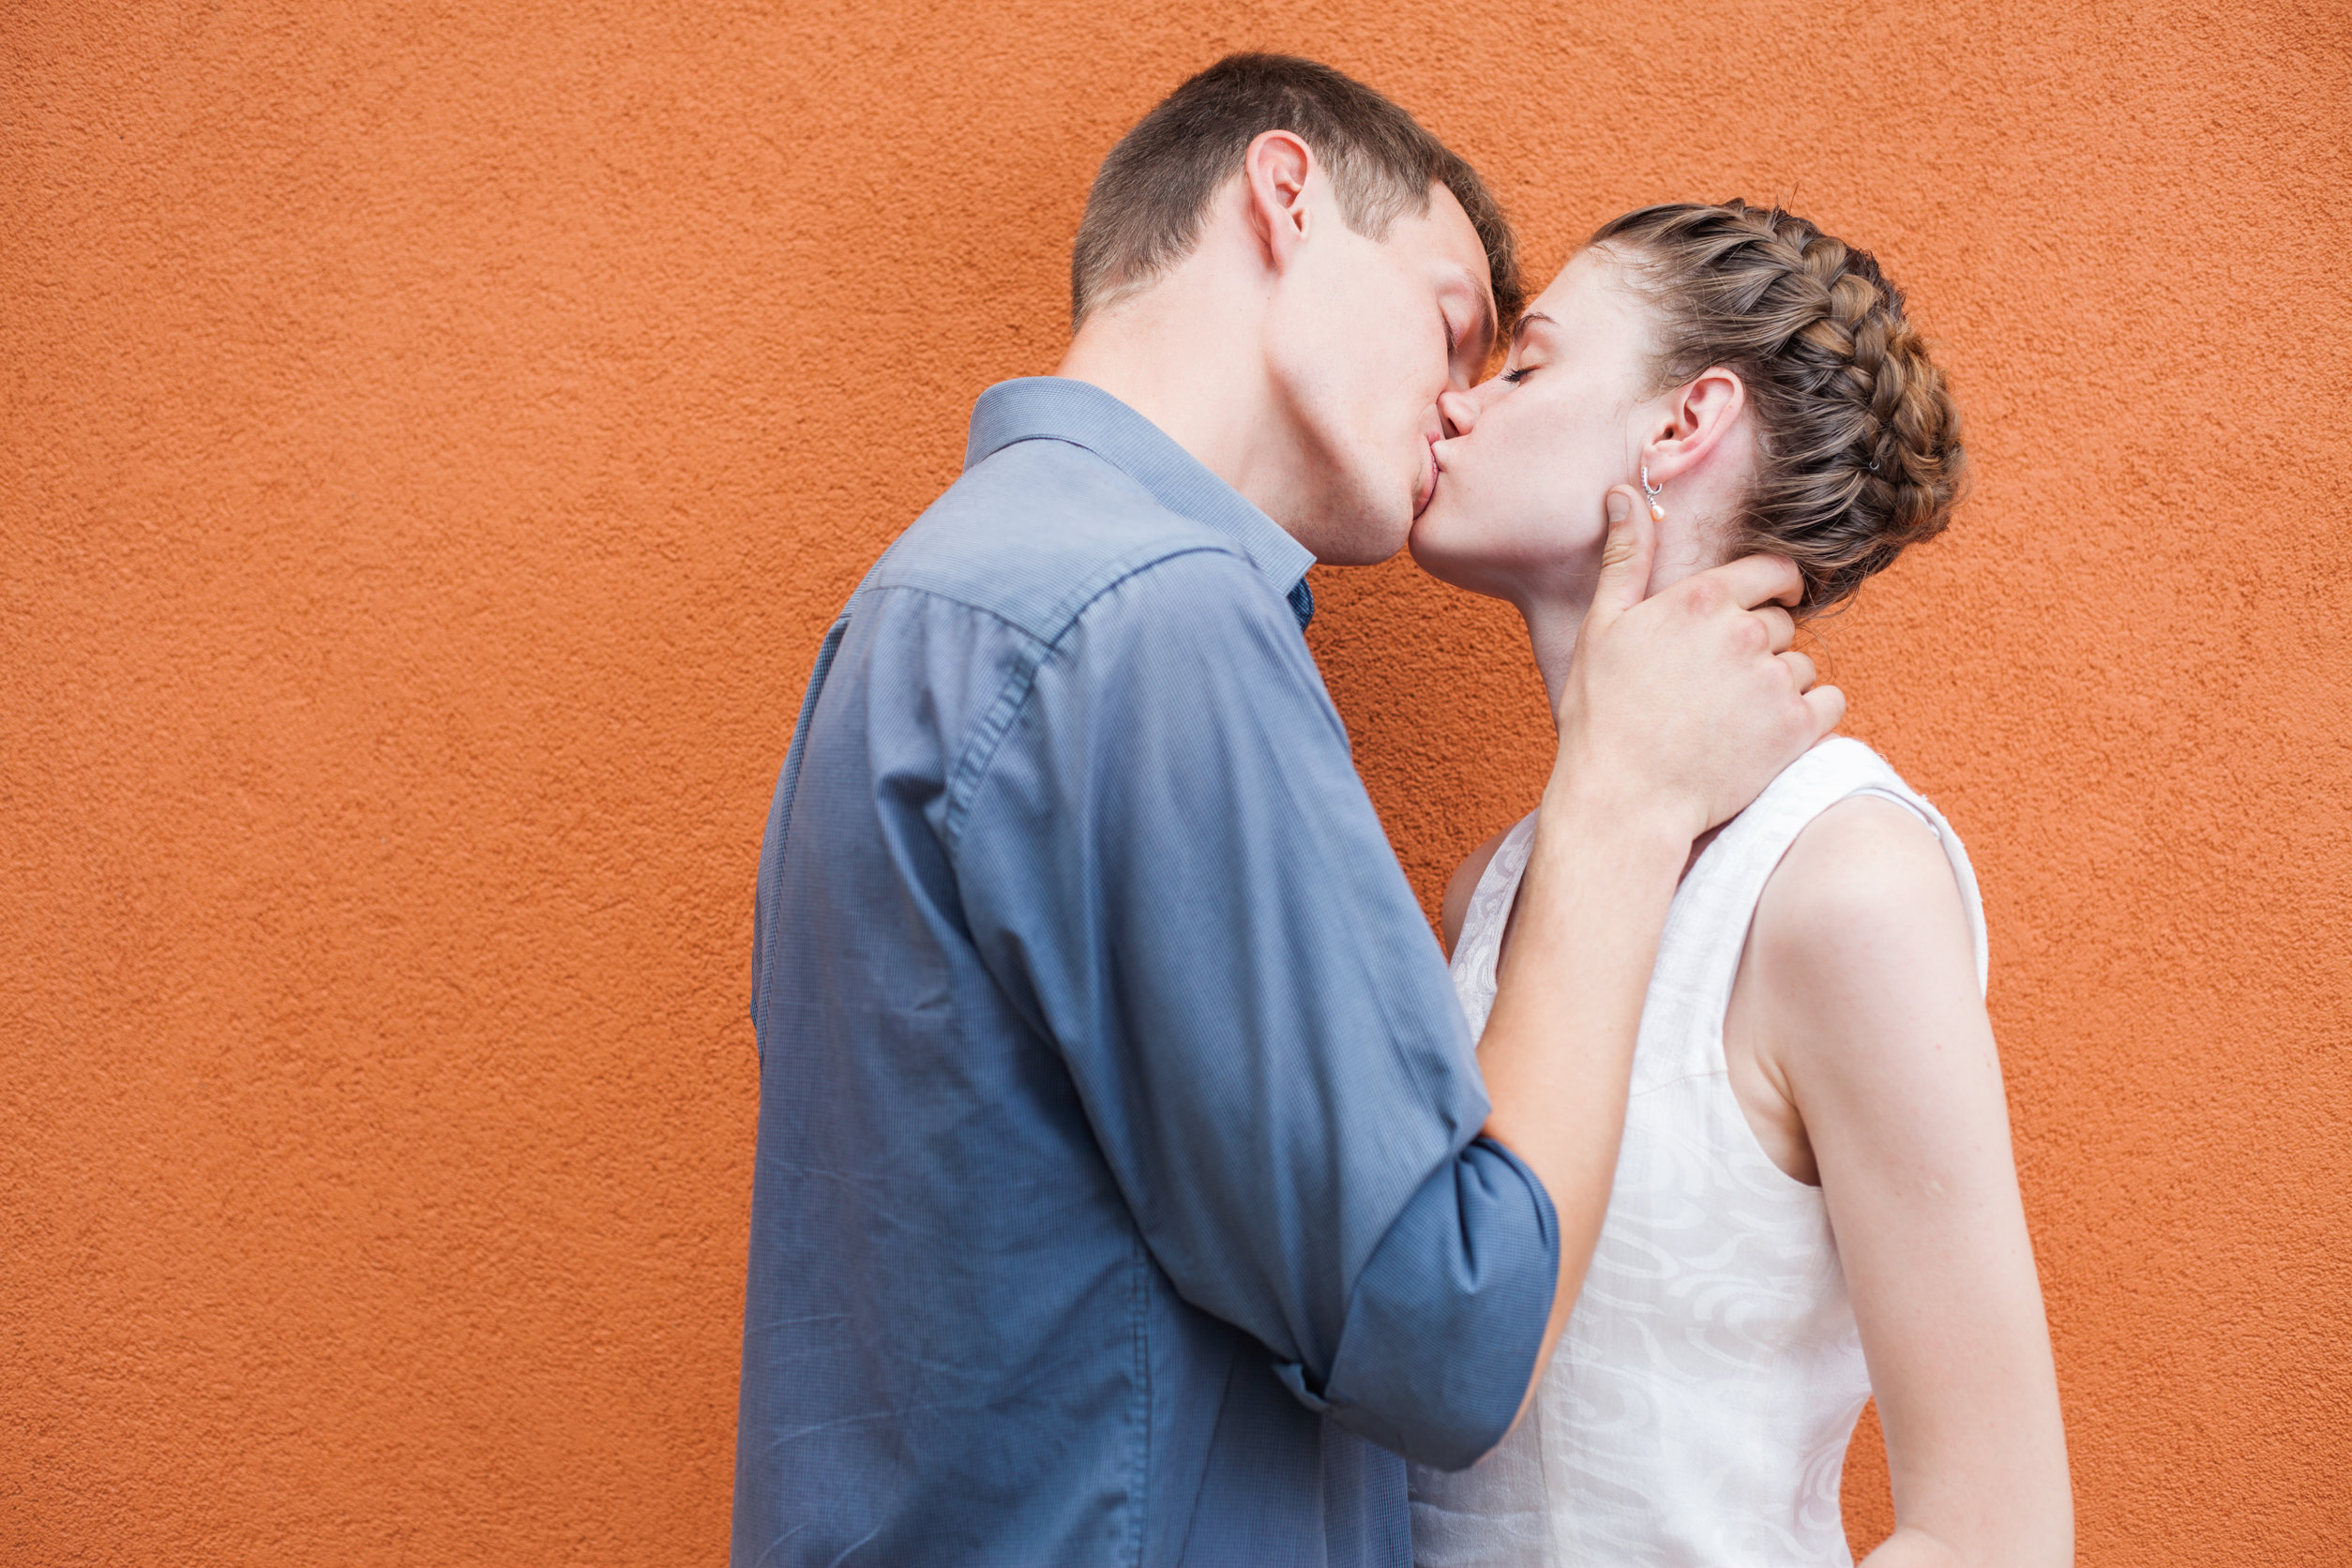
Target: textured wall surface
(435,437)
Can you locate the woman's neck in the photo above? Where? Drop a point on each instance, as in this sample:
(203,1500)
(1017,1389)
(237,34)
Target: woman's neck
(1555,611)
(1551,631)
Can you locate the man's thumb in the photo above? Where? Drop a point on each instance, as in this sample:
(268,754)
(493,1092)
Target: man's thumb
(1633,543)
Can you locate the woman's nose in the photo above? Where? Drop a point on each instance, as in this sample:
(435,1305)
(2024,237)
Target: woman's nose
(1459,409)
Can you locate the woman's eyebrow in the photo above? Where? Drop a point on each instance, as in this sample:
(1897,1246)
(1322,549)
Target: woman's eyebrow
(1519,331)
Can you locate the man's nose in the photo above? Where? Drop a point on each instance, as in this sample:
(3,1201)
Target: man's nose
(1458,411)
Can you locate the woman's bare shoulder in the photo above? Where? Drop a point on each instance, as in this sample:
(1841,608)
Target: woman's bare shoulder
(1860,861)
(1860,927)
(1465,882)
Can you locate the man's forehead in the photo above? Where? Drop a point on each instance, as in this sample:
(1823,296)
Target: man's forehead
(1450,227)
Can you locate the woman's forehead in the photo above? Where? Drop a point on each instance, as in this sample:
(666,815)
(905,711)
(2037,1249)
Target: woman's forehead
(1589,292)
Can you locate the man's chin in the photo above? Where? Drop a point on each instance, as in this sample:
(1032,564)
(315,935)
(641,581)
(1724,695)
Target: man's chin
(1370,534)
(1364,547)
(1361,525)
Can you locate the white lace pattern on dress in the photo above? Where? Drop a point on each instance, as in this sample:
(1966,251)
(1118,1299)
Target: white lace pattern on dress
(1697,1412)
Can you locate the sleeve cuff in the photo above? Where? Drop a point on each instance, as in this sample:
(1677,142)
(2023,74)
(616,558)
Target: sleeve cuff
(1446,1319)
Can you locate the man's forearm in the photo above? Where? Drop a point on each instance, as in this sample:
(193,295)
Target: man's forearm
(1558,1050)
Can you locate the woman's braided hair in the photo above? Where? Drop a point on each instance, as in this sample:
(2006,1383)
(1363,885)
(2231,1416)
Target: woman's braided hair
(1859,441)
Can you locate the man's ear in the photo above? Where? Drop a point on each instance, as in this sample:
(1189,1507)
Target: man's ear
(1278,172)
(1694,422)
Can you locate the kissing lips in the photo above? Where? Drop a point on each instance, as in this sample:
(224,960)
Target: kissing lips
(1426,491)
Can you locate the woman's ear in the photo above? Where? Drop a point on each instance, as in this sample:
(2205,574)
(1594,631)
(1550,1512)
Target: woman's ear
(1693,423)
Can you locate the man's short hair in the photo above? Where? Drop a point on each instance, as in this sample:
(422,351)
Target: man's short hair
(1152,193)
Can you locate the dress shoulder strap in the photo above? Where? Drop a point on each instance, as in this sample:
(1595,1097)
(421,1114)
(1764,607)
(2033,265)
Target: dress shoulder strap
(1477,946)
(1706,926)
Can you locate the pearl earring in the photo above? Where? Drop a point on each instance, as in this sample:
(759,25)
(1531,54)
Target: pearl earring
(1657,513)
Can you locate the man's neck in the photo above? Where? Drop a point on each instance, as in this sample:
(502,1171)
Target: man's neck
(1198,372)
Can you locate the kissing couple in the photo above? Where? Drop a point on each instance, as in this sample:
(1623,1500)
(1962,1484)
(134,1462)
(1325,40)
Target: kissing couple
(1135,1184)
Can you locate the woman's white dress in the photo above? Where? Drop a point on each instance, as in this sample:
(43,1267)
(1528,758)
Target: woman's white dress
(1697,1409)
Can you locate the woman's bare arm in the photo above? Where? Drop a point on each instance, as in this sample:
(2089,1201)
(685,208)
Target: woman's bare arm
(1859,996)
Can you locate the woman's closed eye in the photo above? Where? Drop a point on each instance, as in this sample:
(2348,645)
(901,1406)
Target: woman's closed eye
(1519,374)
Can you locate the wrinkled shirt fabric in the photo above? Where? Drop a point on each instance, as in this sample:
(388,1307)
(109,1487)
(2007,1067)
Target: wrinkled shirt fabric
(1119,1196)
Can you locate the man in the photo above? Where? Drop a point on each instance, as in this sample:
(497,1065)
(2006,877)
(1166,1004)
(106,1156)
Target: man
(1127,1188)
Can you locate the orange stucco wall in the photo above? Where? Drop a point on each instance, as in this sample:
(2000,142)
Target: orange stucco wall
(432,439)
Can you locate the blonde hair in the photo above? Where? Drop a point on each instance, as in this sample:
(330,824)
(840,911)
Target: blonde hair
(1858,439)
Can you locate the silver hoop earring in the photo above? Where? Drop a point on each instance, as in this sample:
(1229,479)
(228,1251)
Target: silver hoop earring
(1657,513)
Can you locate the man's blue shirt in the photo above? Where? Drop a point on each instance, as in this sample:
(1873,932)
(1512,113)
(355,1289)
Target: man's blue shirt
(1119,1185)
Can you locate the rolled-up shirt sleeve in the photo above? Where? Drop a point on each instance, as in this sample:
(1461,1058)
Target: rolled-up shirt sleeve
(1168,864)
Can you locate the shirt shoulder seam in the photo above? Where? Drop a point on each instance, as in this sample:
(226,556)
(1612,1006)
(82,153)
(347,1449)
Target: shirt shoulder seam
(1073,604)
(973,759)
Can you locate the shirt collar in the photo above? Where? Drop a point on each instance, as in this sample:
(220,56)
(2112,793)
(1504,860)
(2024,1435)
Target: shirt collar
(1055,408)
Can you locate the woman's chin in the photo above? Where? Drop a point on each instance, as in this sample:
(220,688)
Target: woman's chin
(1424,543)
(1433,552)
(1433,525)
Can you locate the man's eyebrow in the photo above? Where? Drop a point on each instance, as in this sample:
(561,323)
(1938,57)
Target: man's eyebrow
(1521,331)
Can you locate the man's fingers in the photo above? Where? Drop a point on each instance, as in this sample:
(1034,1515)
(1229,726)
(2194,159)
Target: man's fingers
(1828,706)
(1799,669)
(1625,557)
(1756,579)
(1780,628)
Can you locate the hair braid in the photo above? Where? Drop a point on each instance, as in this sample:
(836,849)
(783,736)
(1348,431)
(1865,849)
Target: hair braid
(1858,435)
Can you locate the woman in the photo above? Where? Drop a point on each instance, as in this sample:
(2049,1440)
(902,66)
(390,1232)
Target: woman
(1815,1200)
